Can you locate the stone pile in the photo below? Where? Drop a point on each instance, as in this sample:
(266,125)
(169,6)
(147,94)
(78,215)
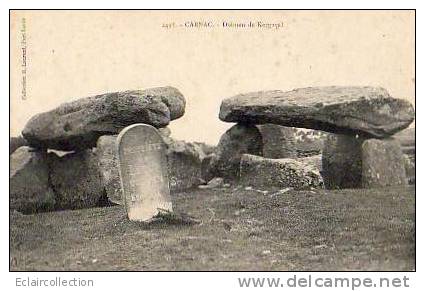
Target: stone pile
(41,179)
(359,120)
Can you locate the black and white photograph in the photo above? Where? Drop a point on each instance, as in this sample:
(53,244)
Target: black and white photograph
(212,140)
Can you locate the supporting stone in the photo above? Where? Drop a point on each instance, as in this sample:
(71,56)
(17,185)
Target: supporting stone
(383,163)
(350,162)
(29,181)
(278,141)
(76,180)
(106,152)
(238,140)
(342,162)
(184,164)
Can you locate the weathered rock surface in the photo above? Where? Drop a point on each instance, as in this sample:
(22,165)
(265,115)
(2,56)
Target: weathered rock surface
(258,171)
(342,162)
(367,111)
(164,131)
(309,142)
(238,140)
(278,141)
(382,163)
(407,140)
(78,124)
(206,148)
(29,181)
(207,170)
(106,152)
(312,161)
(406,137)
(184,164)
(213,183)
(76,180)
(15,143)
(410,167)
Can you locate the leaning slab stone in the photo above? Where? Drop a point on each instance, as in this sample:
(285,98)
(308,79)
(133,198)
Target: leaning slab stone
(106,151)
(258,171)
(383,163)
(76,179)
(29,181)
(366,111)
(143,171)
(342,162)
(238,140)
(78,124)
(278,141)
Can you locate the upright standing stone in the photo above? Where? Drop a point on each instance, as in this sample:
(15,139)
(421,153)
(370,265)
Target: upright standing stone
(238,140)
(143,171)
(29,181)
(278,141)
(108,167)
(184,164)
(342,162)
(76,179)
(382,163)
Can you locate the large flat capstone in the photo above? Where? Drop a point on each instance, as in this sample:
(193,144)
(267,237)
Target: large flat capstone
(367,111)
(78,124)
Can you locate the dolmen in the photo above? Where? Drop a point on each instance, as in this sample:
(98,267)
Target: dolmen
(67,159)
(359,150)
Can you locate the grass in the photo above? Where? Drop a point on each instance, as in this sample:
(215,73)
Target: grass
(238,230)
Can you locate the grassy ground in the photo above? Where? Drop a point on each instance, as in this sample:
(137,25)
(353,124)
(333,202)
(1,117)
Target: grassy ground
(240,230)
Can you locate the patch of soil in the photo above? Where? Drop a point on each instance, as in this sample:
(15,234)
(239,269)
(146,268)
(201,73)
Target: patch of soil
(362,229)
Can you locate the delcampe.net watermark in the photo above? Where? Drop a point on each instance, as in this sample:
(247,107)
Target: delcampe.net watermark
(309,281)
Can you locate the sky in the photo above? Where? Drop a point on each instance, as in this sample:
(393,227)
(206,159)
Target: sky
(75,54)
